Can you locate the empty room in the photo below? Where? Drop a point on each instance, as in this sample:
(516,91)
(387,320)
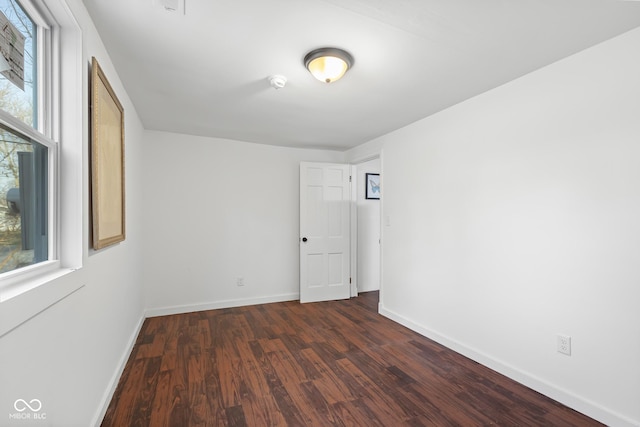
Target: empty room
(319,212)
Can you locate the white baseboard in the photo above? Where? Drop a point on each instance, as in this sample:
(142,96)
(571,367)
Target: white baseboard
(188,308)
(113,383)
(565,397)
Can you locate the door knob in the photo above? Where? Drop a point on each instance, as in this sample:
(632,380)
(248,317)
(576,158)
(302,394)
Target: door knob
(304,239)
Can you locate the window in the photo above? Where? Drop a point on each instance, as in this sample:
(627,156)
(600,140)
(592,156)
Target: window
(27,154)
(24,221)
(52,178)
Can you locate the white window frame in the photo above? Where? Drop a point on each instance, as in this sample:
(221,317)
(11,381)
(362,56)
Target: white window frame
(27,291)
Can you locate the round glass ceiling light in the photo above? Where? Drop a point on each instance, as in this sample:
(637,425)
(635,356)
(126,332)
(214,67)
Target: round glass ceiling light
(328,64)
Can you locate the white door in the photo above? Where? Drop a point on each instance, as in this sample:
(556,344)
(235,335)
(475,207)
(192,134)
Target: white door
(324,232)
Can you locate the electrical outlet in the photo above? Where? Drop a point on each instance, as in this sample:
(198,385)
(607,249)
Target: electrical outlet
(564,344)
(240,281)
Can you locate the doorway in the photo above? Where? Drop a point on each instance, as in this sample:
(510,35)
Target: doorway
(366,223)
(340,230)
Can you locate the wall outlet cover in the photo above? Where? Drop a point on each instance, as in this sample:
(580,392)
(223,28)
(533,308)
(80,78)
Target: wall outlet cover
(564,344)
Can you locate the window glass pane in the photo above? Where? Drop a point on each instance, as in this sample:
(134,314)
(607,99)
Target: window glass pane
(23,201)
(18,75)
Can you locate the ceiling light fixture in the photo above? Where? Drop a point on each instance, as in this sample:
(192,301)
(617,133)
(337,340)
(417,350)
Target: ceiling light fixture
(328,64)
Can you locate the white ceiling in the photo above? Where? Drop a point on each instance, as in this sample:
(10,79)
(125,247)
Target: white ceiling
(205,72)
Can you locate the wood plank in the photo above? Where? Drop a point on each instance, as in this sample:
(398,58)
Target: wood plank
(336,363)
(282,398)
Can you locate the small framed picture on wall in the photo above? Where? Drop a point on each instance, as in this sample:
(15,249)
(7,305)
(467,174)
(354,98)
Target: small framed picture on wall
(373,185)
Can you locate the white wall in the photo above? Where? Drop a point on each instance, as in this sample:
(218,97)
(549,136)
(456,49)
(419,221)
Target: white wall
(217,210)
(368,230)
(514,217)
(520,221)
(68,356)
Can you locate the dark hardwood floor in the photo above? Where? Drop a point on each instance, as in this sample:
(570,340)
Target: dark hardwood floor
(334,363)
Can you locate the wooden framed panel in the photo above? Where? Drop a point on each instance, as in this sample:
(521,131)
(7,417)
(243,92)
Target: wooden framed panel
(107,162)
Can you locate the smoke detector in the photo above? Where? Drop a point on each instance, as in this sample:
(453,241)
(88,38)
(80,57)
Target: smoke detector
(277,81)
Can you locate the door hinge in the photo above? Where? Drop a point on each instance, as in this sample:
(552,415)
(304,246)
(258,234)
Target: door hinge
(349,280)
(349,178)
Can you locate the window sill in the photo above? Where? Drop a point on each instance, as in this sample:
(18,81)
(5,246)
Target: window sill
(23,300)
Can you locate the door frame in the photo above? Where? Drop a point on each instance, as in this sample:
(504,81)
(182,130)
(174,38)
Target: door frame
(353,240)
(353,170)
